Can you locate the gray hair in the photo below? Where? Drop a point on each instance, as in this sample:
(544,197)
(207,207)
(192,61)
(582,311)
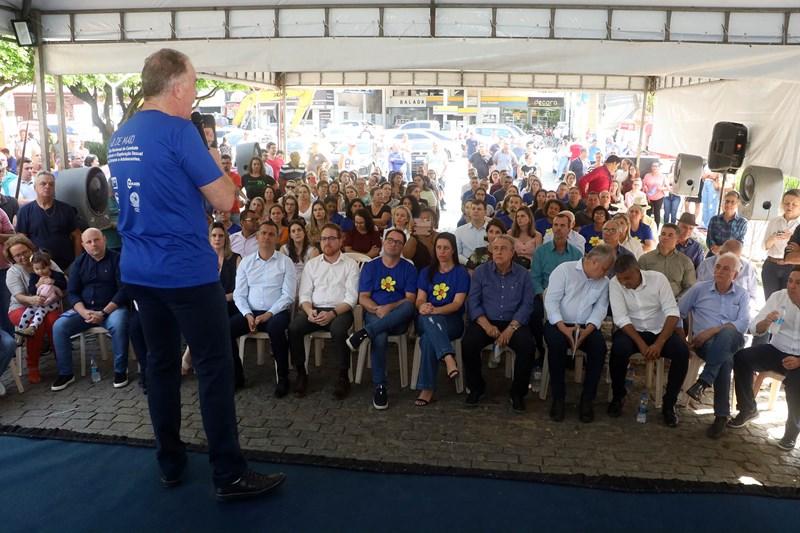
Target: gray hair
(730,255)
(602,253)
(43,173)
(506,237)
(161,69)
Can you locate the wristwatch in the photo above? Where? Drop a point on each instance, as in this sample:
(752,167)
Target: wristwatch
(105,315)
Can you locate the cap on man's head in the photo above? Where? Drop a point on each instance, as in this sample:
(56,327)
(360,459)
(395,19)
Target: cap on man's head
(613,159)
(688,219)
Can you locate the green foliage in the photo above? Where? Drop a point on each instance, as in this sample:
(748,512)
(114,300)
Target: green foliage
(791,182)
(16,66)
(98,149)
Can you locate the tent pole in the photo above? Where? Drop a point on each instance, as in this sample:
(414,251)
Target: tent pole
(282,113)
(62,123)
(41,105)
(641,127)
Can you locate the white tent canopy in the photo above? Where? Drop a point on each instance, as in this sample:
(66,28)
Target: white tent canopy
(564,44)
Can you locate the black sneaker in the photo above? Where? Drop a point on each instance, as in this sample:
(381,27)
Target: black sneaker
(517,403)
(282,388)
(355,340)
(557,411)
(742,419)
(586,411)
(380,399)
(786,444)
(249,485)
(716,429)
(615,407)
(62,382)
(120,379)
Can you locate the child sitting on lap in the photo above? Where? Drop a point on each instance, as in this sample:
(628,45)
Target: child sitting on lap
(48,286)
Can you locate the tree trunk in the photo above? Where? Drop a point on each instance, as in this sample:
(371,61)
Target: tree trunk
(91,99)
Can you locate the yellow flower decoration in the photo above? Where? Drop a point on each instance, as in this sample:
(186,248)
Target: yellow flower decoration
(594,241)
(440,291)
(388,284)
(549,231)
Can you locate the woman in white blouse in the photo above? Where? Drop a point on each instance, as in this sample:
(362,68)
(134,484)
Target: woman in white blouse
(775,273)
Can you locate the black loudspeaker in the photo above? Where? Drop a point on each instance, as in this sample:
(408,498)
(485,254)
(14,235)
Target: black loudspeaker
(728,146)
(86,189)
(760,191)
(245,152)
(687,173)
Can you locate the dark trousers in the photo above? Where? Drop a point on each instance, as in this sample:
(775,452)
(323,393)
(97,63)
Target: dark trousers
(536,324)
(276,328)
(557,344)
(656,205)
(138,341)
(338,327)
(200,314)
(759,359)
(675,349)
(475,338)
(775,277)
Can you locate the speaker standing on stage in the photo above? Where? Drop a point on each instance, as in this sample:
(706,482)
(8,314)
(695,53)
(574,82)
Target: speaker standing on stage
(775,273)
(162,172)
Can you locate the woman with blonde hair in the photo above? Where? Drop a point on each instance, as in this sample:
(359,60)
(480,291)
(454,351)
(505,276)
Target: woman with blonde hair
(626,239)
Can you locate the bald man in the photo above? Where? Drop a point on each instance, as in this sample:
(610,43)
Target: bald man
(98,299)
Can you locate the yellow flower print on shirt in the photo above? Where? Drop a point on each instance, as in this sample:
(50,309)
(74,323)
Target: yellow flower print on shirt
(594,241)
(440,291)
(549,231)
(387,284)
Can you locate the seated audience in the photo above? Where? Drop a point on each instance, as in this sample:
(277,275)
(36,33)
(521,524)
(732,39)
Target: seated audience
(363,238)
(666,259)
(419,246)
(244,242)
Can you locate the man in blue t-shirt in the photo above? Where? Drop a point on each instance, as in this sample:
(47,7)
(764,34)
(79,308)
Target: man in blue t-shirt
(387,289)
(161,174)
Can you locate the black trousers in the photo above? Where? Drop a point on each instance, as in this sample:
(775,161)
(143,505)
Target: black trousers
(758,359)
(557,344)
(675,349)
(200,314)
(276,328)
(536,323)
(656,205)
(775,277)
(338,327)
(475,338)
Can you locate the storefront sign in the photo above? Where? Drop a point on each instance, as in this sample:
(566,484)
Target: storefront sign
(538,101)
(444,109)
(406,101)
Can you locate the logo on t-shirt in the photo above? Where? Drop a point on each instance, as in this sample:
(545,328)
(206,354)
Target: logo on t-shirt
(134,200)
(387,284)
(440,291)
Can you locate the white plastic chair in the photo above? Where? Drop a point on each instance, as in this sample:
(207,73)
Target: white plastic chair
(101,341)
(16,372)
(402,350)
(261,339)
(652,369)
(417,361)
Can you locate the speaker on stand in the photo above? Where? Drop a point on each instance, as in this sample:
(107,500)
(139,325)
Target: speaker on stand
(86,189)
(760,189)
(726,151)
(245,152)
(687,175)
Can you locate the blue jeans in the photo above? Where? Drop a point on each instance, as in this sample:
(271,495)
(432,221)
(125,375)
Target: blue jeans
(200,313)
(435,334)
(8,349)
(718,354)
(71,323)
(710,202)
(379,329)
(671,204)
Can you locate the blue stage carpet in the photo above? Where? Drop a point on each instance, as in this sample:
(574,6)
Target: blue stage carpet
(55,485)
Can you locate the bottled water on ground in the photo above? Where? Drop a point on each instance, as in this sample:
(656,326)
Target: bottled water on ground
(95,372)
(641,414)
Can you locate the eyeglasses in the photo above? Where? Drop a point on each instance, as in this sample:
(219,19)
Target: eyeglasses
(326,239)
(389,240)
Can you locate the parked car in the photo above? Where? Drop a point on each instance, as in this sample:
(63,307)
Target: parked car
(421,125)
(487,133)
(422,142)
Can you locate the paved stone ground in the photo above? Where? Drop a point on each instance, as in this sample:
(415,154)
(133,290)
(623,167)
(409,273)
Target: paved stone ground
(446,433)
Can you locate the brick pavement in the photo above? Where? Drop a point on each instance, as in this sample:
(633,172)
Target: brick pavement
(445,433)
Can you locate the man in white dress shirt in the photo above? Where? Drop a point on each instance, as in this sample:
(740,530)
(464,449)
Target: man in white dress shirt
(646,314)
(781,355)
(328,294)
(266,283)
(472,234)
(245,242)
(576,302)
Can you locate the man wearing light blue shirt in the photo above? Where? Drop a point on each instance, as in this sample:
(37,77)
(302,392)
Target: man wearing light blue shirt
(746,277)
(266,283)
(576,302)
(473,234)
(721,313)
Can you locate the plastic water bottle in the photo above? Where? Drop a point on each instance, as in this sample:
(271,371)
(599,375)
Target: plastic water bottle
(537,380)
(641,414)
(776,326)
(95,372)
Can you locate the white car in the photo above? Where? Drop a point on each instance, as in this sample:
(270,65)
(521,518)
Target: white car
(420,125)
(422,142)
(488,133)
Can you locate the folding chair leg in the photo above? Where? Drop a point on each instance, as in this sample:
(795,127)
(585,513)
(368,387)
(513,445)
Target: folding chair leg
(82,340)
(101,343)
(545,378)
(242,341)
(19,361)
(460,363)
(415,363)
(774,388)
(402,350)
(659,394)
(362,357)
(15,372)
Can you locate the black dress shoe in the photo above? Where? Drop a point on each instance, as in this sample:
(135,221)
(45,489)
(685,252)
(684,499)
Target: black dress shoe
(716,429)
(473,397)
(670,416)
(175,478)
(342,388)
(586,411)
(249,485)
(696,391)
(557,411)
(615,407)
(787,443)
(282,388)
(300,385)
(517,403)
(742,419)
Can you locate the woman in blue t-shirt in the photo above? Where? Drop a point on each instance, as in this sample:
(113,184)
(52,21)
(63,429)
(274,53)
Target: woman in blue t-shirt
(442,290)
(593,233)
